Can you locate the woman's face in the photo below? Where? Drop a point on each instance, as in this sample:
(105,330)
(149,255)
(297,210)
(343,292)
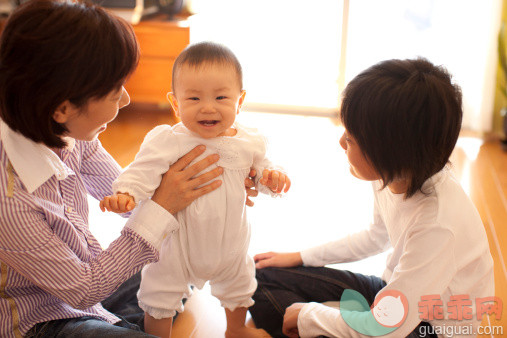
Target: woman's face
(87,122)
(360,167)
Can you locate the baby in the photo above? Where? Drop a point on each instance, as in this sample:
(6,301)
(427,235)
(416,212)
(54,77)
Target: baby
(212,241)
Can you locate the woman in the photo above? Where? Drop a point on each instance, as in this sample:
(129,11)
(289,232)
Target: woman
(62,70)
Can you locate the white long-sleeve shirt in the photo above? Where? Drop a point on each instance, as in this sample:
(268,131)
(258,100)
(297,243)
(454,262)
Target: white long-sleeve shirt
(439,246)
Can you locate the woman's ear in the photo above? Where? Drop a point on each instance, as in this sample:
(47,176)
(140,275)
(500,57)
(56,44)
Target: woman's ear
(174,103)
(62,112)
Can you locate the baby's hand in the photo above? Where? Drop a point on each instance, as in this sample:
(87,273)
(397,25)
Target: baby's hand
(275,180)
(118,203)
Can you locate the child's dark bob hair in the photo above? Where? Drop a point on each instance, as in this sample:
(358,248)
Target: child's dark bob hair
(405,115)
(207,52)
(53,51)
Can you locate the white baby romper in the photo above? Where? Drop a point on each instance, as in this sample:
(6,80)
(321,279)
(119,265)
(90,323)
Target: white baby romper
(212,241)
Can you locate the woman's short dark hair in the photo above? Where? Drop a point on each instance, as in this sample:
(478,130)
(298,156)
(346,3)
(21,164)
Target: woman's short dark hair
(405,115)
(53,51)
(207,52)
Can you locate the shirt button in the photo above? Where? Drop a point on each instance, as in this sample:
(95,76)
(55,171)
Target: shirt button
(69,209)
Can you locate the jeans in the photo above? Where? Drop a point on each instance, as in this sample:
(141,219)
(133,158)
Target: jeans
(278,288)
(123,303)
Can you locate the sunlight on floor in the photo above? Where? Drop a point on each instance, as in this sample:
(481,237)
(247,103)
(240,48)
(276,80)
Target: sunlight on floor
(325,201)
(466,151)
(471,146)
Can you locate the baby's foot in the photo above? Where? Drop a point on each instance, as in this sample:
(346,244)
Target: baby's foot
(246,332)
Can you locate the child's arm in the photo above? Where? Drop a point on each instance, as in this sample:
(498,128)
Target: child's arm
(269,179)
(158,151)
(119,203)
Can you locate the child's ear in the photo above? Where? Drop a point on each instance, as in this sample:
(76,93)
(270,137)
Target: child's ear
(241,100)
(174,103)
(63,111)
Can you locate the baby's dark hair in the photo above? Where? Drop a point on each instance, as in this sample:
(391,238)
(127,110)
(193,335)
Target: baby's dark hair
(199,54)
(405,115)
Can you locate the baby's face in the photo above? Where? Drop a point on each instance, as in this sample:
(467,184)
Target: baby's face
(207,99)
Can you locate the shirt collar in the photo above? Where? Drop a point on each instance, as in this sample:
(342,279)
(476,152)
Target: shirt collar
(34,162)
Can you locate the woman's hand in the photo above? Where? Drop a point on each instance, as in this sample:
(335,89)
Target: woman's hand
(179,184)
(250,187)
(290,320)
(279,260)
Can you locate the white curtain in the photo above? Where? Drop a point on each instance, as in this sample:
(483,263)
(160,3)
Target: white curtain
(289,49)
(459,34)
(292,51)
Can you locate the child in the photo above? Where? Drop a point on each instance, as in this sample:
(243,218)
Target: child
(402,119)
(212,242)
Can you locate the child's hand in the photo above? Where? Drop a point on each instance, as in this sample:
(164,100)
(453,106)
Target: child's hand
(118,203)
(278,259)
(275,180)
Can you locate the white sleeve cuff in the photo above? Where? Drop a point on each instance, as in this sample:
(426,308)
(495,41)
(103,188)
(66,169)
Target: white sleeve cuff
(316,319)
(306,257)
(265,190)
(315,256)
(152,222)
(262,188)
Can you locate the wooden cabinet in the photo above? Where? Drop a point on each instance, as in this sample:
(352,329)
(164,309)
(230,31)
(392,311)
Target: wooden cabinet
(160,43)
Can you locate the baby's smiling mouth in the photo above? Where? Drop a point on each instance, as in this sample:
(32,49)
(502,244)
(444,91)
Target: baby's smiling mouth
(208,123)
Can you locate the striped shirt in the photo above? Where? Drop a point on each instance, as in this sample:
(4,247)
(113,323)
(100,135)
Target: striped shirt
(51,266)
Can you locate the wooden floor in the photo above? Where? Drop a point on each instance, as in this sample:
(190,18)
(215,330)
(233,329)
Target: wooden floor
(283,224)
(482,168)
